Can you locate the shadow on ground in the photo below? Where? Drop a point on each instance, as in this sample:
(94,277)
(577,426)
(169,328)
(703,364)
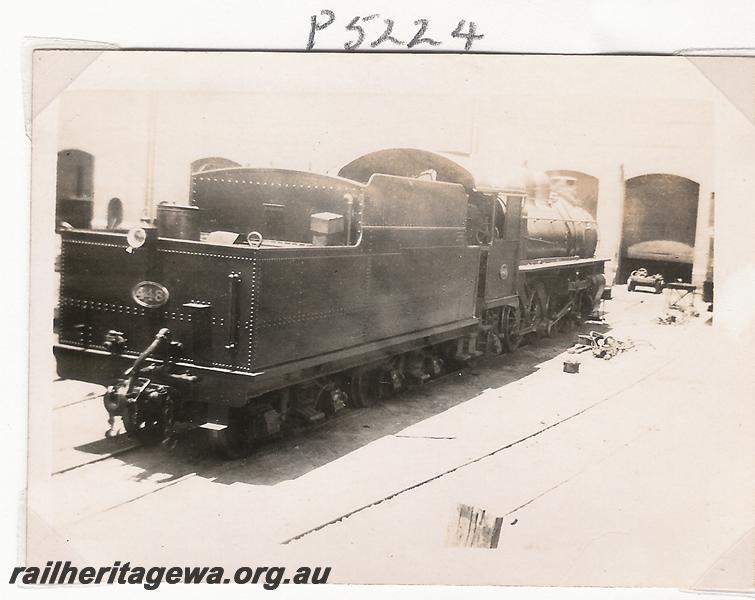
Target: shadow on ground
(303,451)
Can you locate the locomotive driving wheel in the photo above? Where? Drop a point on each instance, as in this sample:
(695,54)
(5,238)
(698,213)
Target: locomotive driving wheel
(588,301)
(543,323)
(584,307)
(493,343)
(510,335)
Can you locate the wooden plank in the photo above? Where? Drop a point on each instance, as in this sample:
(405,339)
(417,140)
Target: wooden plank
(474,528)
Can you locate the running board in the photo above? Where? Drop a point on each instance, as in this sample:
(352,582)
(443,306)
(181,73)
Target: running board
(560,264)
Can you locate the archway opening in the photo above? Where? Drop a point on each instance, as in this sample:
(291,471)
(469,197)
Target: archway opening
(74,194)
(658,233)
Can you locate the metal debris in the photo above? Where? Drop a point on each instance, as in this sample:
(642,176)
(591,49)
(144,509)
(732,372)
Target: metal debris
(602,346)
(677,316)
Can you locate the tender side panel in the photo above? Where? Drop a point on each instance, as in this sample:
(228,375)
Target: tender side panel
(421,272)
(312,301)
(99,276)
(417,287)
(402,202)
(411,272)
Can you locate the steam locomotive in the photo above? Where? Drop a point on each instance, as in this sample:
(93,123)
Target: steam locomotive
(278,297)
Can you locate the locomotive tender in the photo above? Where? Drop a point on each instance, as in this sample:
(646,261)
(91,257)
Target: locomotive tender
(278,297)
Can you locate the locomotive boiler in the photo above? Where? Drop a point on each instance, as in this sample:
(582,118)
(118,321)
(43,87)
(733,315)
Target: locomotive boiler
(278,297)
(555,226)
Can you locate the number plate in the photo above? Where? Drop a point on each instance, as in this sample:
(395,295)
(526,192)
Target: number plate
(150,294)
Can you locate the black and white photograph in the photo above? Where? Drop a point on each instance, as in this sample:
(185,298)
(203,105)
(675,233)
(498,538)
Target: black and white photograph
(385,318)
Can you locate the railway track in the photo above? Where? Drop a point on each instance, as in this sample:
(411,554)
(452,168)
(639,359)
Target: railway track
(136,472)
(123,445)
(191,451)
(135,477)
(90,448)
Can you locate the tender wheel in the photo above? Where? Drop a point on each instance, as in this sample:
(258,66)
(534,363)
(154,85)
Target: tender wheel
(229,444)
(436,366)
(447,352)
(510,329)
(331,398)
(247,427)
(364,387)
(233,441)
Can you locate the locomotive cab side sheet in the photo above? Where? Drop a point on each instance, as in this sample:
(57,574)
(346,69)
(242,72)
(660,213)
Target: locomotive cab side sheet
(504,254)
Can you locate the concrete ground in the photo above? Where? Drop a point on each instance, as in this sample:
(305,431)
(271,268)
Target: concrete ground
(636,471)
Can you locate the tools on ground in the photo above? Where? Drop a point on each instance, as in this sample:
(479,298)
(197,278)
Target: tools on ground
(602,346)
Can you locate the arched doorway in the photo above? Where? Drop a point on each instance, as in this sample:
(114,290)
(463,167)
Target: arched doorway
(579,188)
(658,232)
(74,193)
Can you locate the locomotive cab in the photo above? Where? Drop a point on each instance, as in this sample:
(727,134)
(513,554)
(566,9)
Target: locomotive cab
(537,266)
(496,209)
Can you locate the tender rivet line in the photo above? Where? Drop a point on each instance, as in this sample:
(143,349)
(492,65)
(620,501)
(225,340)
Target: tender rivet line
(62,286)
(207,254)
(91,243)
(253,303)
(352,255)
(337,188)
